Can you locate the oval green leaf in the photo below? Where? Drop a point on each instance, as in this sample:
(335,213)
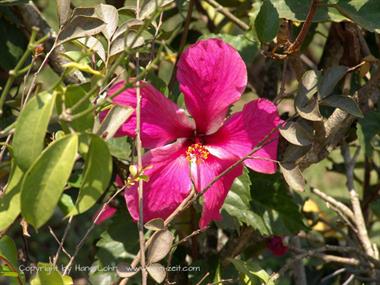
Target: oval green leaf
(97,175)
(267,22)
(10,202)
(8,250)
(44,182)
(31,126)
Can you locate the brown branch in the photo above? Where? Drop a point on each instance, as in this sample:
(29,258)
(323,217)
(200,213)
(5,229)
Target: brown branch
(296,45)
(138,143)
(359,218)
(31,17)
(339,123)
(338,205)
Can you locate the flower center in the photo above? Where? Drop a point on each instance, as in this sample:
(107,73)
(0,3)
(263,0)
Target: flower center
(196,153)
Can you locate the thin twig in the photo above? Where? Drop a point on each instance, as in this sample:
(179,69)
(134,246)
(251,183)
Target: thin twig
(357,210)
(340,206)
(61,243)
(144,274)
(186,238)
(83,239)
(332,275)
(296,45)
(228,14)
(203,278)
(349,279)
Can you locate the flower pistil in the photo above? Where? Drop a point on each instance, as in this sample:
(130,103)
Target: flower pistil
(196,153)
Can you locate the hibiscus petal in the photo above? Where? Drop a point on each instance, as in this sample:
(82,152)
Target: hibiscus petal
(169,182)
(202,174)
(162,121)
(244,130)
(107,213)
(212,76)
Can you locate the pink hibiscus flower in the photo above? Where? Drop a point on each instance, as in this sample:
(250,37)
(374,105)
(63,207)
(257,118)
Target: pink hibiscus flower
(190,152)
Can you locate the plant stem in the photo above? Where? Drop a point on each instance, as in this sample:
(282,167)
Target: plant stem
(228,14)
(296,45)
(16,71)
(144,275)
(83,239)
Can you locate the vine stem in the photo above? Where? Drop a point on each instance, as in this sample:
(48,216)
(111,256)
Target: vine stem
(144,275)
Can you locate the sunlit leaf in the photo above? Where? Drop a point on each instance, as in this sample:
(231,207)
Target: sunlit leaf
(10,203)
(31,126)
(44,182)
(97,175)
(160,246)
(63,10)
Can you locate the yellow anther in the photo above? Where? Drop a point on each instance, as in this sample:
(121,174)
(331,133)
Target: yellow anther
(196,153)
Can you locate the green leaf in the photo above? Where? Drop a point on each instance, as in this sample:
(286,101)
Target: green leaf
(66,204)
(270,195)
(267,22)
(10,202)
(72,94)
(255,274)
(120,148)
(366,13)
(97,175)
(344,103)
(237,204)
(8,250)
(44,182)
(31,126)
(48,274)
(330,79)
(297,10)
(371,130)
